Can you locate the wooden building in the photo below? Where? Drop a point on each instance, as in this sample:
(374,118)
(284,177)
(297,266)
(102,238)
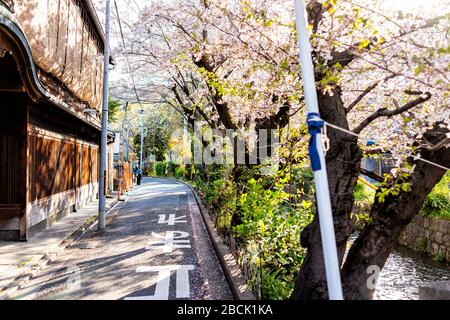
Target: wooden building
(51,75)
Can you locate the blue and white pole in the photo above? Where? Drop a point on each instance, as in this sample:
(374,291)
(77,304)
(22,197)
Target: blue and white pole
(315,125)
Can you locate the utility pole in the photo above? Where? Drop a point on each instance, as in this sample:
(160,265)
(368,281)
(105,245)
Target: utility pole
(121,166)
(104,136)
(128,134)
(142,136)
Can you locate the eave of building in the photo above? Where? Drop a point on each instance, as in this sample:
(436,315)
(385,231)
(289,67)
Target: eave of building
(92,13)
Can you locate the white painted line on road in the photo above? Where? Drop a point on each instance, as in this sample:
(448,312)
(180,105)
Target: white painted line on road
(168,242)
(163,281)
(171,220)
(182,280)
(171,241)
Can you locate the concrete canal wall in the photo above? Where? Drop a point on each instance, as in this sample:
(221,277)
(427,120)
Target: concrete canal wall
(428,235)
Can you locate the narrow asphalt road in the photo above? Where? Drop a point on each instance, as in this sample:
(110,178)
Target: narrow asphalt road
(155,247)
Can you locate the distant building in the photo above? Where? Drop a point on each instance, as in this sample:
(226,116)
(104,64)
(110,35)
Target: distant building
(122,169)
(51,79)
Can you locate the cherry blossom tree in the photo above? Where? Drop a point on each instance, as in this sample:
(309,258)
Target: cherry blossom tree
(381,72)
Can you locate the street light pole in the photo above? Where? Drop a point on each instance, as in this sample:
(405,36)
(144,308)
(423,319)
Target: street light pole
(104,135)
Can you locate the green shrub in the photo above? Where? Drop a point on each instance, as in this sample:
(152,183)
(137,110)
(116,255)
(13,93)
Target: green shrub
(439,256)
(265,219)
(214,192)
(166,168)
(171,167)
(223,197)
(437,203)
(160,169)
(422,244)
(180,173)
(303,179)
(364,198)
(149,170)
(275,286)
(270,228)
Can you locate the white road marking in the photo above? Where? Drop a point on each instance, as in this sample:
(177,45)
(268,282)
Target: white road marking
(171,241)
(168,242)
(171,220)
(163,281)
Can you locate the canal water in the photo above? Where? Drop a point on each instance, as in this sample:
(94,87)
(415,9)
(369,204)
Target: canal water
(403,273)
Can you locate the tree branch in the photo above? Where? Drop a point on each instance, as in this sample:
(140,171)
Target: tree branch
(281,118)
(315,14)
(366,92)
(221,107)
(384,112)
(437,146)
(188,110)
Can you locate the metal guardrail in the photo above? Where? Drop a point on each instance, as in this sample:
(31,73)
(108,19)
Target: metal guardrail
(367,183)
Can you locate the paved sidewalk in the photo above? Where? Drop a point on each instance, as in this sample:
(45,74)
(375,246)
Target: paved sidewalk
(17,258)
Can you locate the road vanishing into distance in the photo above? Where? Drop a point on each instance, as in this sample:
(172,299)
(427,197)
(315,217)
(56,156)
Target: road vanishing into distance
(155,247)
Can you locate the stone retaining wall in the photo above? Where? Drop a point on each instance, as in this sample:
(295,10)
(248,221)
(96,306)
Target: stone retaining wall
(428,235)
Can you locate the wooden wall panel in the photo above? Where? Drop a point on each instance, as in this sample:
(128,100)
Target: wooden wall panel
(95,164)
(78,161)
(10,168)
(55,166)
(85,165)
(12,144)
(12,173)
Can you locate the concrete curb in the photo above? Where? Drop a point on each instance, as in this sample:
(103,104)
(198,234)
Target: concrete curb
(39,261)
(235,279)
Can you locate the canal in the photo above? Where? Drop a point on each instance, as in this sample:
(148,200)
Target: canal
(403,273)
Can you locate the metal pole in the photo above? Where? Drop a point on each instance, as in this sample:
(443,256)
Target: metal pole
(119,166)
(142,138)
(104,136)
(128,134)
(320,176)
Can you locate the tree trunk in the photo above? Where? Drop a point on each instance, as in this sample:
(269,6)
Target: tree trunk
(343,165)
(390,217)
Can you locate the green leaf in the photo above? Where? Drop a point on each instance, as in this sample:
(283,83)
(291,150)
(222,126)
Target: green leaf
(364,44)
(419,69)
(284,64)
(405,187)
